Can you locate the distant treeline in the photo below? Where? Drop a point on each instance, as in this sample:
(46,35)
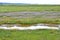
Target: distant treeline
(14,4)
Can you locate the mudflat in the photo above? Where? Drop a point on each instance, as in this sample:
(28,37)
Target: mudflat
(31,14)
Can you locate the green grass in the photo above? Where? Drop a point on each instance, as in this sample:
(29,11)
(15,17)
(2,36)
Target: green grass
(29,35)
(33,8)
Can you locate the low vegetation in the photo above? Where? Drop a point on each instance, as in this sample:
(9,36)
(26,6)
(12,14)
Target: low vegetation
(29,35)
(27,21)
(34,8)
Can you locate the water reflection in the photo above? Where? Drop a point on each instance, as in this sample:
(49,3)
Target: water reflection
(32,27)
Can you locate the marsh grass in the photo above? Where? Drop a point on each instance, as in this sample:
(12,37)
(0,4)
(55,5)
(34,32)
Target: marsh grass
(29,8)
(28,21)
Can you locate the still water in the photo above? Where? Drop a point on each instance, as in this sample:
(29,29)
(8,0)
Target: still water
(31,27)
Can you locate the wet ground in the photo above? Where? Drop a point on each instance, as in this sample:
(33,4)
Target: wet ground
(31,14)
(24,25)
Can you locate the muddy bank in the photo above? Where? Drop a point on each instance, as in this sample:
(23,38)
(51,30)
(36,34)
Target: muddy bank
(31,14)
(24,25)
